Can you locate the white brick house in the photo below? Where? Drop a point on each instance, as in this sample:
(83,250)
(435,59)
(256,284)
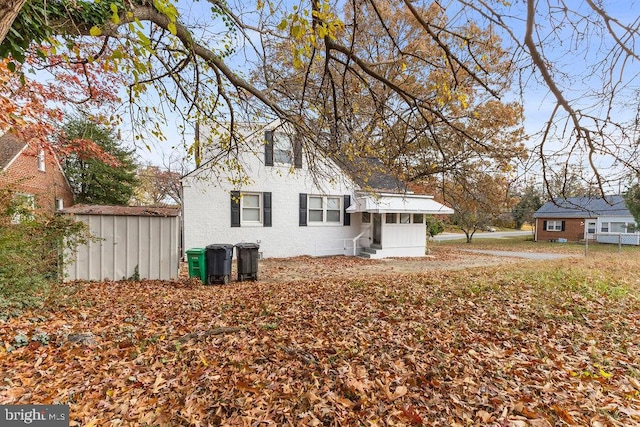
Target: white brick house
(289,211)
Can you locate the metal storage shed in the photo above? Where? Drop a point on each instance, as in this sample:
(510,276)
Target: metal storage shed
(130,239)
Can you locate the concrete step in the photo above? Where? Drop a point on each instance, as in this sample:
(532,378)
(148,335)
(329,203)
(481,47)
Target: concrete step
(369,250)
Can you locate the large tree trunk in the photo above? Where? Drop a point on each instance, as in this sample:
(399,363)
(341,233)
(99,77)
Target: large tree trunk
(9,9)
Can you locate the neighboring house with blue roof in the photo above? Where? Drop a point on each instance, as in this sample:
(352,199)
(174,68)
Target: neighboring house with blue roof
(578,218)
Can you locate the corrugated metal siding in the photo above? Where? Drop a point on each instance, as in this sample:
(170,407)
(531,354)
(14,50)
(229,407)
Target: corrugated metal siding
(150,243)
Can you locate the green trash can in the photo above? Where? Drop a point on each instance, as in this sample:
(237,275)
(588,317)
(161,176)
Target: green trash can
(197,263)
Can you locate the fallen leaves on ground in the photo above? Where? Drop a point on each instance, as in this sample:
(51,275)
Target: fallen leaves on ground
(543,344)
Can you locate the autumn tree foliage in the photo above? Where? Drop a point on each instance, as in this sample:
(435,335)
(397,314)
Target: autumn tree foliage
(478,198)
(402,103)
(37,94)
(164,49)
(157,186)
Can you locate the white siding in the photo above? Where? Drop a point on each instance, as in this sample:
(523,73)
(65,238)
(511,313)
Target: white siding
(126,242)
(404,239)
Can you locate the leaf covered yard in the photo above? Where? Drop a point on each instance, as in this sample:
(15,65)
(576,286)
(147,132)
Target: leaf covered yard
(540,344)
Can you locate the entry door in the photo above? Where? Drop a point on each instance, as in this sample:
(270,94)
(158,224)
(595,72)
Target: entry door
(377,229)
(590,229)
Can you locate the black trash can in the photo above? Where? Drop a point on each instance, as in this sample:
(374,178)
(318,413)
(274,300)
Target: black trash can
(247,261)
(219,258)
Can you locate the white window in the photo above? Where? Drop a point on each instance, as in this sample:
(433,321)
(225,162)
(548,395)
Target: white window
(618,227)
(604,227)
(325,209)
(23,207)
(366,217)
(59,204)
(282,148)
(251,212)
(418,218)
(554,225)
(391,218)
(405,218)
(41,161)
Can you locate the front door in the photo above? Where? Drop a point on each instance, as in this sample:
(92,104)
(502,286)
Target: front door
(377,229)
(590,229)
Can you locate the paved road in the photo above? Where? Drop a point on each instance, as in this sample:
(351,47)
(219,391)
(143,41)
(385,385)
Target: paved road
(481,235)
(527,255)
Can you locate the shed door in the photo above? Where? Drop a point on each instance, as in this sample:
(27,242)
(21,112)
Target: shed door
(377,229)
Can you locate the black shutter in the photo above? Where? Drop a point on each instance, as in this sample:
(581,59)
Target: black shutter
(347,216)
(562,225)
(303,209)
(266,209)
(268,148)
(297,152)
(544,225)
(235,209)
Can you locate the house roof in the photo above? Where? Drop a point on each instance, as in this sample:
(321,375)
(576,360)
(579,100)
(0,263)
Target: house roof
(121,210)
(10,147)
(370,173)
(584,207)
(398,203)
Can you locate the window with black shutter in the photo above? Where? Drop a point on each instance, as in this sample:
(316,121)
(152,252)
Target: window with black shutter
(266,209)
(268,148)
(346,216)
(235,209)
(297,153)
(303,210)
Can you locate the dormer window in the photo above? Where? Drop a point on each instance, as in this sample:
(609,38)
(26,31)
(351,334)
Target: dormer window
(41,161)
(282,149)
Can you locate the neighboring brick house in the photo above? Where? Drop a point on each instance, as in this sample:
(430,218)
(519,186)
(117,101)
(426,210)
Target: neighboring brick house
(579,218)
(33,174)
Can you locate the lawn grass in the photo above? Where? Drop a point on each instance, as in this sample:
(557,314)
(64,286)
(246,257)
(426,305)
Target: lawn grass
(526,244)
(543,343)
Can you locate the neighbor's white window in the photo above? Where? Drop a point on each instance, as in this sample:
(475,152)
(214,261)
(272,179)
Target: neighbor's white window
(251,212)
(604,227)
(554,225)
(391,218)
(618,227)
(366,217)
(325,209)
(41,161)
(405,218)
(59,204)
(418,218)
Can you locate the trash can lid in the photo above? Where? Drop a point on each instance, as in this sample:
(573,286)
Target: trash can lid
(220,246)
(195,250)
(244,245)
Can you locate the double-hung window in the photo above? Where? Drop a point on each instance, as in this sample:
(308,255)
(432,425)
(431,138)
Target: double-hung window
(554,225)
(325,209)
(251,208)
(282,148)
